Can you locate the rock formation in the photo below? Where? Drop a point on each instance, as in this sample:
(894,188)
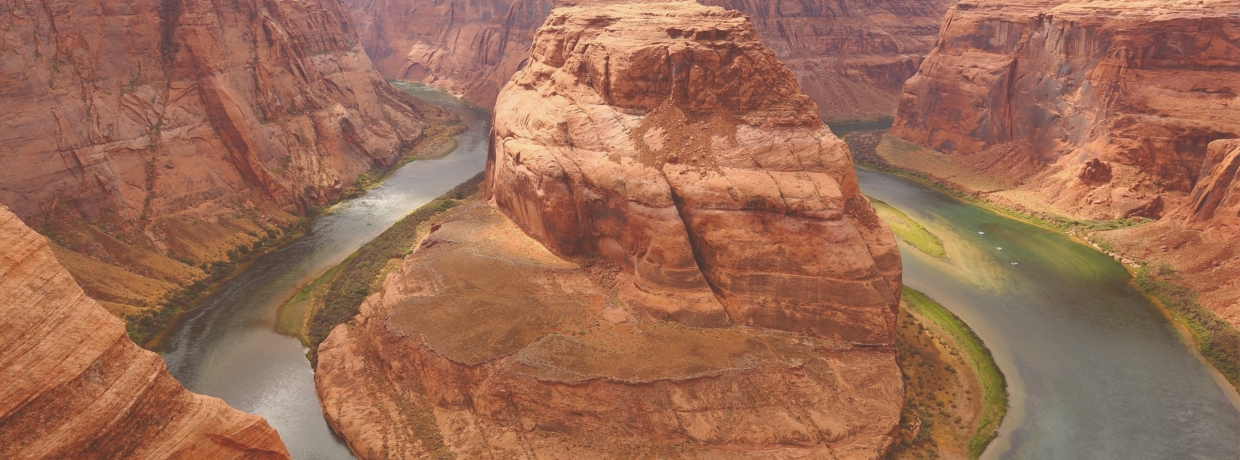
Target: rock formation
(1200,239)
(1101,109)
(155,136)
(851,57)
(76,387)
(676,259)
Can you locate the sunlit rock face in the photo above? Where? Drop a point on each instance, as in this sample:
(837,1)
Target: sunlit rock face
(685,152)
(75,386)
(673,256)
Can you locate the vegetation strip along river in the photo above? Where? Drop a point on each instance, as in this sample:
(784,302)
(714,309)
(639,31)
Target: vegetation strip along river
(228,347)
(1095,370)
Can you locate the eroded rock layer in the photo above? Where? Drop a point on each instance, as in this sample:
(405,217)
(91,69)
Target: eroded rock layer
(76,387)
(676,260)
(157,135)
(683,151)
(1200,239)
(851,57)
(1098,109)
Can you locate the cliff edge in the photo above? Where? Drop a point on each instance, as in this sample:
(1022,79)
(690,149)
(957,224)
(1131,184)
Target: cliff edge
(75,386)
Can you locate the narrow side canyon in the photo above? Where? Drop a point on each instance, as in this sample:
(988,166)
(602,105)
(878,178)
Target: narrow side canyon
(75,386)
(670,256)
(851,57)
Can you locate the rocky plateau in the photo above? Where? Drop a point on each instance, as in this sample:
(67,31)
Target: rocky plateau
(672,258)
(850,57)
(75,386)
(149,138)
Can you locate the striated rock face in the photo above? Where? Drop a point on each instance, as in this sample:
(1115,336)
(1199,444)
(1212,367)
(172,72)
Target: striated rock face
(1106,107)
(676,260)
(76,387)
(684,152)
(851,57)
(157,135)
(1201,238)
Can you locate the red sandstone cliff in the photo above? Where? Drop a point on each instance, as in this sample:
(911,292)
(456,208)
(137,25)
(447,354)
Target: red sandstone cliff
(851,57)
(1200,239)
(76,387)
(677,260)
(154,136)
(1094,109)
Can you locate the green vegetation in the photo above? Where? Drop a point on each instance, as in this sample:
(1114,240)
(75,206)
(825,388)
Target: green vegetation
(1216,339)
(926,370)
(147,327)
(290,319)
(909,230)
(353,280)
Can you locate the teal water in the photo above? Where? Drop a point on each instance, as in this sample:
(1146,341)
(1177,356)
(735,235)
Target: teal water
(1095,370)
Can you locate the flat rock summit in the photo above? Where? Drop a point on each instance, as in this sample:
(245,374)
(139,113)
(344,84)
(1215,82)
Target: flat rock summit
(674,257)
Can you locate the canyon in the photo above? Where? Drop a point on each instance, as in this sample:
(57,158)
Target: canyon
(670,256)
(152,139)
(851,57)
(75,386)
(1092,111)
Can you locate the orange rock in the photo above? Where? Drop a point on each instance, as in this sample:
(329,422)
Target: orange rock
(143,117)
(76,387)
(684,151)
(677,258)
(1201,238)
(851,57)
(1142,86)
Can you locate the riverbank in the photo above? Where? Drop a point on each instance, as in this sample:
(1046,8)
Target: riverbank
(150,328)
(955,395)
(1217,340)
(335,297)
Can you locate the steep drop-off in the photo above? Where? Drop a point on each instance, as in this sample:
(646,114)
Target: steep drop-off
(76,387)
(676,260)
(1200,239)
(1089,109)
(149,138)
(851,57)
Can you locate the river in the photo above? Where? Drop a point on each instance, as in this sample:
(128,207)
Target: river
(1095,370)
(227,345)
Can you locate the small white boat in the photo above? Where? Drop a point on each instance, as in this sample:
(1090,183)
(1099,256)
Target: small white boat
(1014,263)
(981,233)
(999,249)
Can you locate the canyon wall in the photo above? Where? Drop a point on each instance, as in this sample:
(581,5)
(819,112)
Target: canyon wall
(76,387)
(1095,109)
(1200,239)
(851,57)
(149,138)
(674,260)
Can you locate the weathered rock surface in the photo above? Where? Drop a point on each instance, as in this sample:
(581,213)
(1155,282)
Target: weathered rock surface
(851,57)
(1200,239)
(157,135)
(685,152)
(676,261)
(1098,109)
(76,387)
